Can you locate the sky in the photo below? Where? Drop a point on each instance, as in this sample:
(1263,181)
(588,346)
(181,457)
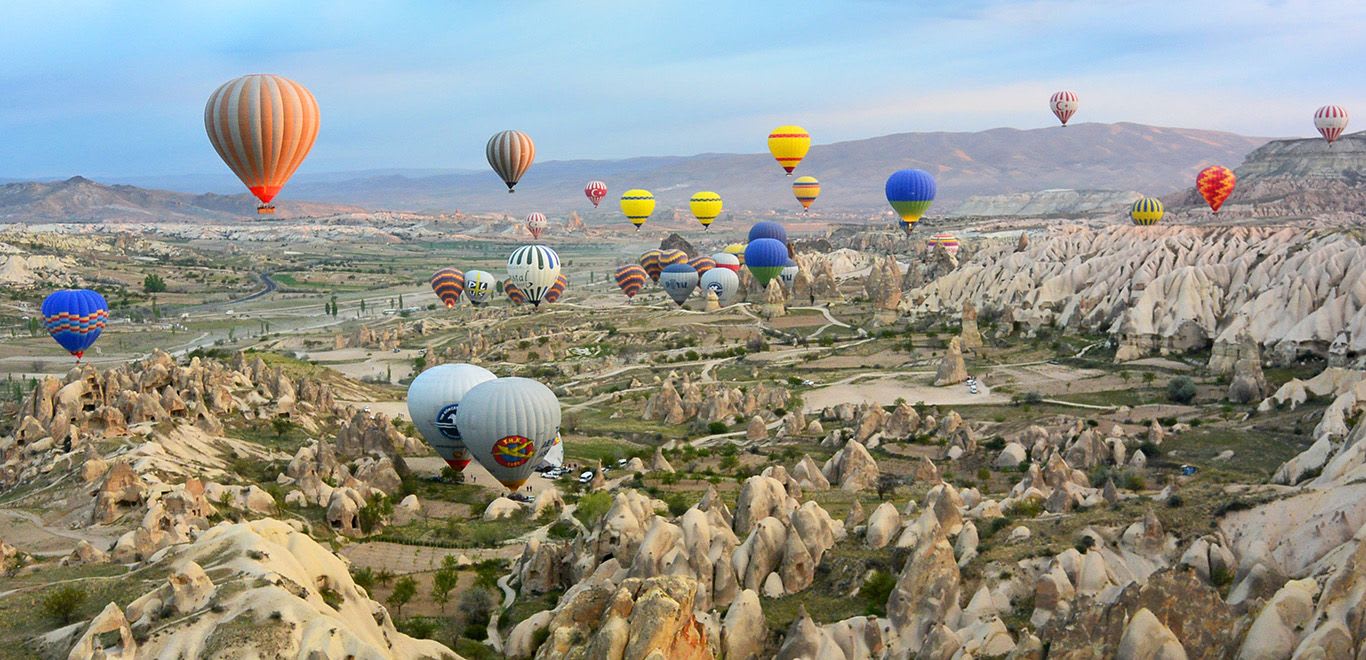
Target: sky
(108,89)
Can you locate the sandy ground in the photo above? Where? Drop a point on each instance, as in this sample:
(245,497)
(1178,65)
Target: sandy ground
(474,474)
(885,392)
(399,558)
(27,532)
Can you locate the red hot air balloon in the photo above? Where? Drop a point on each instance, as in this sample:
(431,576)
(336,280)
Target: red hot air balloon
(263,127)
(595,191)
(1331,120)
(1064,105)
(1215,184)
(536,223)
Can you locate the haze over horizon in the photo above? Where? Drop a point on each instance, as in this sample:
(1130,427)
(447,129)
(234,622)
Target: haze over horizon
(107,93)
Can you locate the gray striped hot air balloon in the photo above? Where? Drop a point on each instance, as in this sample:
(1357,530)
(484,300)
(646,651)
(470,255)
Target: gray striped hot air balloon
(534,269)
(678,281)
(724,282)
(509,424)
(433,399)
(510,154)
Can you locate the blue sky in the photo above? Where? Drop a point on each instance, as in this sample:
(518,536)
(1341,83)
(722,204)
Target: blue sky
(117,89)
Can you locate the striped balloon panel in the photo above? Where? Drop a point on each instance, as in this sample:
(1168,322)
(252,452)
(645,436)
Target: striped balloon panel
(513,293)
(789,145)
(263,127)
(557,289)
(948,241)
(670,257)
(448,283)
(806,189)
(1146,211)
(510,154)
(595,191)
(1064,105)
(536,223)
(631,279)
(1331,121)
(738,249)
(534,268)
(1215,184)
(649,260)
(702,264)
(75,318)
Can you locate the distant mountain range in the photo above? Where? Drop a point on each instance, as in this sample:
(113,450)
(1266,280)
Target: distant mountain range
(79,199)
(1101,159)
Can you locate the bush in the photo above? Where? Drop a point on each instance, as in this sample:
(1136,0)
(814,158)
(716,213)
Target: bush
(715,428)
(875,591)
(64,602)
(1181,390)
(591,507)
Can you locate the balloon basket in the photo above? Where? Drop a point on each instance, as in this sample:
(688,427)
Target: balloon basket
(265,209)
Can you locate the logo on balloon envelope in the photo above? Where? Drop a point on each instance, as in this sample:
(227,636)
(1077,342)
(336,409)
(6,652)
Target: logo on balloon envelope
(445,421)
(715,287)
(513,451)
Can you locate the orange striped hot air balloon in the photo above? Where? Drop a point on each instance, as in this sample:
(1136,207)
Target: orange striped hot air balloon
(806,189)
(513,293)
(670,257)
(1215,184)
(631,279)
(262,126)
(557,289)
(448,283)
(649,260)
(702,264)
(510,154)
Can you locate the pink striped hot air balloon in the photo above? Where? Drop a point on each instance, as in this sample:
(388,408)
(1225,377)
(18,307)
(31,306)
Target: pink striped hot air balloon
(536,223)
(1064,105)
(1331,120)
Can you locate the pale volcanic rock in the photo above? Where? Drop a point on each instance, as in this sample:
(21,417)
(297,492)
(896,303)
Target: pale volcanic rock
(806,640)
(926,595)
(968,334)
(808,475)
(1011,455)
(1146,638)
(775,299)
(343,511)
(951,369)
(660,464)
(853,468)
(641,618)
(756,430)
(882,525)
(744,630)
(1275,631)
(500,508)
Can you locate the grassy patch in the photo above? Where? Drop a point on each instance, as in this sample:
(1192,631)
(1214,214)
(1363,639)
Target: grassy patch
(527,605)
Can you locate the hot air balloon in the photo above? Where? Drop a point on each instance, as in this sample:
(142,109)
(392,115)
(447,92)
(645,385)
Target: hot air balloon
(789,273)
(508,423)
(702,264)
(75,318)
(536,223)
(766,258)
(1215,184)
(448,283)
(262,126)
(595,191)
(557,289)
(767,229)
(637,205)
(649,260)
(678,281)
(725,283)
(1331,120)
(510,154)
(789,145)
(555,455)
(727,261)
(479,286)
(1146,211)
(1064,105)
(670,257)
(433,399)
(806,189)
(945,240)
(534,269)
(631,278)
(738,249)
(910,192)
(513,293)
(705,206)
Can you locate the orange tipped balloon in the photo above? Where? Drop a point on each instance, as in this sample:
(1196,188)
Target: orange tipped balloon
(263,127)
(1215,184)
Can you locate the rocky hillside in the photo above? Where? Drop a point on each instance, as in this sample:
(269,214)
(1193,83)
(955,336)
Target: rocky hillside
(1290,178)
(1045,203)
(1103,157)
(79,199)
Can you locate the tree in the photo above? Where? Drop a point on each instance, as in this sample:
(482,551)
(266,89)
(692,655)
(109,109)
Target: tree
(281,425)
(362,305)
(63,602)
(1181,389)
(886,484)
(404,590)
(1149,377)
(153,283)
(444,581)
(334,305)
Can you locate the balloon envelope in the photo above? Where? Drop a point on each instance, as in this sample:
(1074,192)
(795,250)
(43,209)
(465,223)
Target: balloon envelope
(479,286)
(910,192)
(678,281)
(670,257)
(1146,211)
(262,126)
(723,282)
(513,293)
(1215,184)
(1331,121)
(789,145)
(705,206)
(631,278)
(702,264)
(557,289)
(595,191)
(649,260)
(510,154)
(767,229)
(806,189)
(534,269)
(637,205)
(536,223)
(945,240)
(765,258)
(1064,105)
(448,283)
(75,318)
(727,261)
(433,399)
(789,273)
(507,424)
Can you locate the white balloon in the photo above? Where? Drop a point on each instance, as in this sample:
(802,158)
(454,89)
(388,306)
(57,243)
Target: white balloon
(789,275)
(508,425)
(433,399)
(533,269)
(480,286)
(678,281)
(555,455)
(724,282)
(727,260)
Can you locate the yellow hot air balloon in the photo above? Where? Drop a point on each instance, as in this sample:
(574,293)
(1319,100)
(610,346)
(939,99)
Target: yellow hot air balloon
(806,189)
(705,205)
(789,145)
(637,205)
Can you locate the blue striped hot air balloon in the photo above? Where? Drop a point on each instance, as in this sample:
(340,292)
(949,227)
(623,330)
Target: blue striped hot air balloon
(910,192)
(768,229)
(1146,211)
(75,318)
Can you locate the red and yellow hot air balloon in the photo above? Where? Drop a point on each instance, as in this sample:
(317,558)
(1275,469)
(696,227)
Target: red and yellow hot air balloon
(1215,184)
(806,189)
(263,127)
(789,145)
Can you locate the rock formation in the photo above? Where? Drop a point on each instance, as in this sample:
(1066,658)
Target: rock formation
(951,369)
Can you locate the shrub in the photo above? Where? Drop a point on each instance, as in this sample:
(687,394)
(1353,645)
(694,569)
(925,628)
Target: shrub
(875,591)
(1181,390)
(363,577)
(404,590)
(717,427)
(64,602)
(591,507)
